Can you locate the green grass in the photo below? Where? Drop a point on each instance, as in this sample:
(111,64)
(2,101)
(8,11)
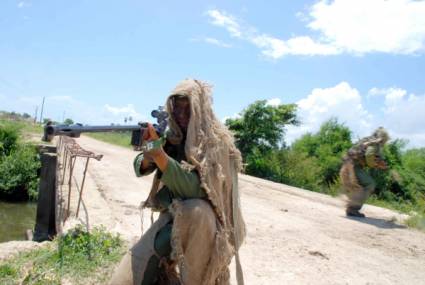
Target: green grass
(116,138)
(404,207)
(416,221)
(26,128)
(31,128)
(416,212)
(79,257)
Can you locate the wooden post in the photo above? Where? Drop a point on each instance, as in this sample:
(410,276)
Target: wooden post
(45,227)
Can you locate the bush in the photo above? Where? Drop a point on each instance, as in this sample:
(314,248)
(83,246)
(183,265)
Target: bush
(80,248)
(327,147)
(405,180)
(8,139)
(79,257)
(19,165)
(263,164)
(301,171)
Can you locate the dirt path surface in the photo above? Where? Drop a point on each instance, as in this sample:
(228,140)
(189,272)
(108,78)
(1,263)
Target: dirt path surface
(294,236)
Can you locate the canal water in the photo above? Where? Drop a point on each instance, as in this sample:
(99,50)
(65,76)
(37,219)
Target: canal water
(15,219)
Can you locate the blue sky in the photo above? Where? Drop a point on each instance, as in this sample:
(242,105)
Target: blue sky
(100,61)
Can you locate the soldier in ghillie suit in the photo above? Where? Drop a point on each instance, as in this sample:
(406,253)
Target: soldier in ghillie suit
(200,226)
(355,179)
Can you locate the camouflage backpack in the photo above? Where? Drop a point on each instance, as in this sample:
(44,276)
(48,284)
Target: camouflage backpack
(357,152)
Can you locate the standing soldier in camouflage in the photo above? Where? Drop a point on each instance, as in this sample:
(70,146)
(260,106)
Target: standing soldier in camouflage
(356,181)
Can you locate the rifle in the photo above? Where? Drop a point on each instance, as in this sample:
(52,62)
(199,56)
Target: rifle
(75,130)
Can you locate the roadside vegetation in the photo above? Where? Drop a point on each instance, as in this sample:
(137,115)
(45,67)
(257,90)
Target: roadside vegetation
(19,162)
(78,257)
(313,161)
(117,138)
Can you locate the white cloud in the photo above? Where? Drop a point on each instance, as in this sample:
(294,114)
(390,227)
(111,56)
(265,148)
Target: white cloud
(216,42)
(404,114)
(274,102)
(222,19)
(306,46)
(212,41)
(401,114)
(235,116)
(363,26)
(341,26)
(270,46)
(276,48)
(341,101)
(393,96)
(127,110)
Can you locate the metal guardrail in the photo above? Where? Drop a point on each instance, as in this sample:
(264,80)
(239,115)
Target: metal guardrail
(69,150)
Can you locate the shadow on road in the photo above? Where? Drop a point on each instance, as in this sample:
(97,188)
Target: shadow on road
(379,223)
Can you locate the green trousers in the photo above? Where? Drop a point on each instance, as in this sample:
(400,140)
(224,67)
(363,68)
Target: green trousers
(358,197)
(162,247)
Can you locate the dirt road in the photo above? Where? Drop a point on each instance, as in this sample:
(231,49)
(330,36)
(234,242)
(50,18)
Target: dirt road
(294,236)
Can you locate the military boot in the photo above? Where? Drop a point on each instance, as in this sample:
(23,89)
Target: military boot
(351,212)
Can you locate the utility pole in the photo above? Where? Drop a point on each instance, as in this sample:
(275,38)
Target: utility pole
(35,115)
(41,113)
(63,116)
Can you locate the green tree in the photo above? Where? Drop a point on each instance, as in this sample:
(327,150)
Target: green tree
(68,121)
(405,179)
(414,161)
(261,127)
(328,146)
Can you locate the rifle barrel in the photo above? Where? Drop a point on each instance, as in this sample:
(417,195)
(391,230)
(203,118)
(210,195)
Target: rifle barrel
(76,130)
(63,130)
(136,137)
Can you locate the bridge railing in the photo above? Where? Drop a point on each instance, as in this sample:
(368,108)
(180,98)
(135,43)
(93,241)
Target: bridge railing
(59,179)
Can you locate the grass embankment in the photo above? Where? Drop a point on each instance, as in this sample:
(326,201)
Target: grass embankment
(24,125)
(78,257)
(117,138)
(27,129)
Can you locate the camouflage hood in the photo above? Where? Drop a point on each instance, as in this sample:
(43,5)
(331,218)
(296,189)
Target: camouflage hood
(209,144)
(210,149)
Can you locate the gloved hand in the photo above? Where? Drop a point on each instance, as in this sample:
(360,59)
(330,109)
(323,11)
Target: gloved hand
(154,152)
(380,164)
